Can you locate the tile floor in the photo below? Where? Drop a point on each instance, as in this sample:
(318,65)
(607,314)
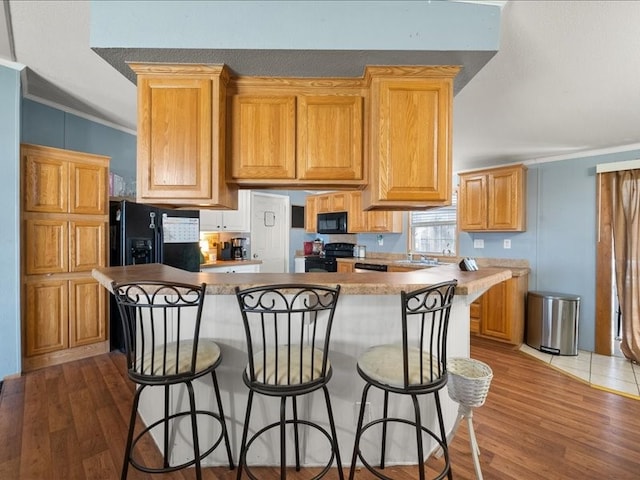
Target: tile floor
(611,373)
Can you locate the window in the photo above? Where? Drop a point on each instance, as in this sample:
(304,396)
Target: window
(434,231)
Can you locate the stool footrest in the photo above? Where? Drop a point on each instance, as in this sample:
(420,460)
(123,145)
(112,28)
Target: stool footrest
(173,468)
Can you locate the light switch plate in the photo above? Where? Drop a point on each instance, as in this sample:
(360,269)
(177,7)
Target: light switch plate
(478,243)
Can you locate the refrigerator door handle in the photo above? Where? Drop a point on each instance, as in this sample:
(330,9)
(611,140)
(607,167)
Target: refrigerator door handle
(152,219)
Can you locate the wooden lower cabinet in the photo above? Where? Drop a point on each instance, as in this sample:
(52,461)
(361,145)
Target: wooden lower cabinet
(345,267)
(499,313)
(46,326)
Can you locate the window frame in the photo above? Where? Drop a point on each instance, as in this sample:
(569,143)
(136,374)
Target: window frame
(410,235)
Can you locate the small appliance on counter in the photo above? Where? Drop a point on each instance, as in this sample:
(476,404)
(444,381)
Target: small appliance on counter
(238,249)
(224,251)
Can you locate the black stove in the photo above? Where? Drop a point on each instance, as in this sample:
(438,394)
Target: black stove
(326,262)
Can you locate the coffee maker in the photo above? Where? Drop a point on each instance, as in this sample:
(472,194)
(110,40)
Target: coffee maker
(238,250)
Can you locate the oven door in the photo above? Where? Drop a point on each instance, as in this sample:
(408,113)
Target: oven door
(320,264)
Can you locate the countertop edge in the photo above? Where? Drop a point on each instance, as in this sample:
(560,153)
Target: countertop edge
(367,283)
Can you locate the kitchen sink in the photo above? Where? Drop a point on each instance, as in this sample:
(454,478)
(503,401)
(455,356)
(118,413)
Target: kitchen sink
(427,262)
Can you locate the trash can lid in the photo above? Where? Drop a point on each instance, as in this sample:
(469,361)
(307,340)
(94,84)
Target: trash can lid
(556,295)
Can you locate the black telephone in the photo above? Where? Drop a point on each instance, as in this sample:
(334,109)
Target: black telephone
(468,265)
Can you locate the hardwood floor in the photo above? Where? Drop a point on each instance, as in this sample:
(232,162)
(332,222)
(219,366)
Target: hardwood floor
(69,422)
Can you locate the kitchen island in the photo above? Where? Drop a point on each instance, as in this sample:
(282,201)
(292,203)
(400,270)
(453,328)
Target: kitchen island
(368,313)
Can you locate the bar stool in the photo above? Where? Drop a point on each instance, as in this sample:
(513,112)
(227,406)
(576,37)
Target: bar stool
(161,323)
(469,382)
(288,329)
(416,366)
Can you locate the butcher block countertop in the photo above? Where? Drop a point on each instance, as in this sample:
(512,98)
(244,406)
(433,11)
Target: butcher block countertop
(365,283)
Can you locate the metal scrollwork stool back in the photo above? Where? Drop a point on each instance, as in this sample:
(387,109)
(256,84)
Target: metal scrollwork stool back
(288,330)
(416,366)
(163,347)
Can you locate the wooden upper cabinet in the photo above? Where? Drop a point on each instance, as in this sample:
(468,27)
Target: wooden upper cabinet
(64,181)
(296,131)
(310,214)
(493,200)
(263,137)
(410,137)
(45,182)
(357,219)
(88,187)
(181,135)
(330,135)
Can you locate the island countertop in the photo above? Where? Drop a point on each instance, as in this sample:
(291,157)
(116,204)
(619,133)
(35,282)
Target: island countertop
(368,315)
(361,283)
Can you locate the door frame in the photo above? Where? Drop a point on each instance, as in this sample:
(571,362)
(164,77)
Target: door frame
(604,261)
(287,222)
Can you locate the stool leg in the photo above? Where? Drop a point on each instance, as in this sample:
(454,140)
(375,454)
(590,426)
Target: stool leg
(283,446)
(245,430)
(443,435)
(225,433)
(356,443)
(296,437)
(132,424)
(385,411)
(166,427)
(194,430)
(334,434)
(416,408)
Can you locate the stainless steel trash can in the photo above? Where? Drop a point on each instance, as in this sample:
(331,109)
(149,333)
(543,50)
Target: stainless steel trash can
(552,322)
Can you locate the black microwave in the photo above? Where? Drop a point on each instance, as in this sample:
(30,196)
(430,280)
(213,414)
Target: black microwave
(335,222)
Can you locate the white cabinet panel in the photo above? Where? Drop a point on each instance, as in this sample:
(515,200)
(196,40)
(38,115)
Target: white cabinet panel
(252,268)
(229,220)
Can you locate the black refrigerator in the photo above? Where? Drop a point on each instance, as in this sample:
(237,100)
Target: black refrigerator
(141,233)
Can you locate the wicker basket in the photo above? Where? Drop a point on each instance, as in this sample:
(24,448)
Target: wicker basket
(469,381)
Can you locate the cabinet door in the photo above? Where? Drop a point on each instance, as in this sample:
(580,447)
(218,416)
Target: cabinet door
(506,197)
(411,139)
(356,217)
(88,189)
(310,214)
(174,137)
(47,246)
(238,220)
(496,321)
(339,202)
(46,314)
(472,202)
(210,220)
(263,132)
(88,245)
(475,315)
(384,222)
(344,267)
(87,312)
(330,133)
(46,183)
(323,203)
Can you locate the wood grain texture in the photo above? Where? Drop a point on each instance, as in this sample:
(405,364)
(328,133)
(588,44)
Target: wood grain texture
(69,422)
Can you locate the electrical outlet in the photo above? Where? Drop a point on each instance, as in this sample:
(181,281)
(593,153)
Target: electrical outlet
(507,243)
(478,243)
(380,240)
(367,413)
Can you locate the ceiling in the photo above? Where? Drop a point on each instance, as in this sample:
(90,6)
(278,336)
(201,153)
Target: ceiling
(565,81)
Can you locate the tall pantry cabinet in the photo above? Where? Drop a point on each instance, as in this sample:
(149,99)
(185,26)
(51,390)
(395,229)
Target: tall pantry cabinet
(65,220)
